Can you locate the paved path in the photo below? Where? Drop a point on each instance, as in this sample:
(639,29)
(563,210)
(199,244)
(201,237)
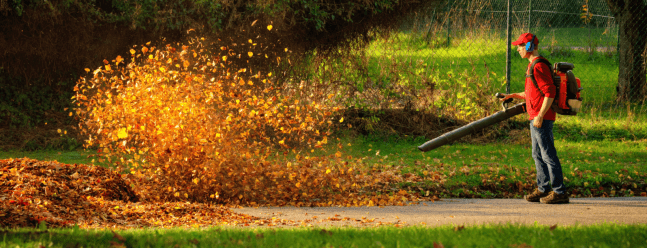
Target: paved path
(586,211)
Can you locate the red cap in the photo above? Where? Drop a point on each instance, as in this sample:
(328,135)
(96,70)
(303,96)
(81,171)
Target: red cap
(525,38)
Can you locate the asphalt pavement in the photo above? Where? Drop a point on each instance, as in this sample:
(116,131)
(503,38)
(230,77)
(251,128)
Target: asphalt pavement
(465,212)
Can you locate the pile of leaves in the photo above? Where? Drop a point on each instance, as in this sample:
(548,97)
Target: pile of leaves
(33,191)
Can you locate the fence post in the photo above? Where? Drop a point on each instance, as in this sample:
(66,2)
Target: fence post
(449,20)
(588,25)
(507,53)
(529,14)
(431,23)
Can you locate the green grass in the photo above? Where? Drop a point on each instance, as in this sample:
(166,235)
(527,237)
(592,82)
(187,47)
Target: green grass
(602,235)
(67,157)
(604,155)
(492,170)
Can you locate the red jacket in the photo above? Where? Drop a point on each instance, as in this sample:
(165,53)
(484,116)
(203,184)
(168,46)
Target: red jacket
(534,97)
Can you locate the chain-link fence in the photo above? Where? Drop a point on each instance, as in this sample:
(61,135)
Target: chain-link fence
(468,38)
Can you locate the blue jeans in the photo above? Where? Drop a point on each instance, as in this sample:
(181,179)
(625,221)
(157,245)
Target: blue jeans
(545,156)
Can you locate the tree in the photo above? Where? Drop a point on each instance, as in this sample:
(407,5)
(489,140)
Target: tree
(631,16)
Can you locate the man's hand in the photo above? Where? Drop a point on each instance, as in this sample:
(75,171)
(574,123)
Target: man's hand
(538,121)
(521,95)
(545,106)
(506,97)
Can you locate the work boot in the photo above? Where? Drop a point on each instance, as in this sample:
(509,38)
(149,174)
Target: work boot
(554,198)
(535,196)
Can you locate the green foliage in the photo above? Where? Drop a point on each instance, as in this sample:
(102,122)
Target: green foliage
(24,106)
(466,93)
(217,15)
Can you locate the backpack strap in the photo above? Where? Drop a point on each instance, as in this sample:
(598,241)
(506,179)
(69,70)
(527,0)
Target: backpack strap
(531,73)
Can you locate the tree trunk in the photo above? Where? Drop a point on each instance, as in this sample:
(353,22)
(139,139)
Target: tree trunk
(632,20)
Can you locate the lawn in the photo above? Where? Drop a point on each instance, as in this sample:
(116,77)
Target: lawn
(602,235)
(68,157)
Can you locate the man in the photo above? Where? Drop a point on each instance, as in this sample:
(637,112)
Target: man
(539,97)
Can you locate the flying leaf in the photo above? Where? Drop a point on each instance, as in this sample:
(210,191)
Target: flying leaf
(269,27)
(122,133)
